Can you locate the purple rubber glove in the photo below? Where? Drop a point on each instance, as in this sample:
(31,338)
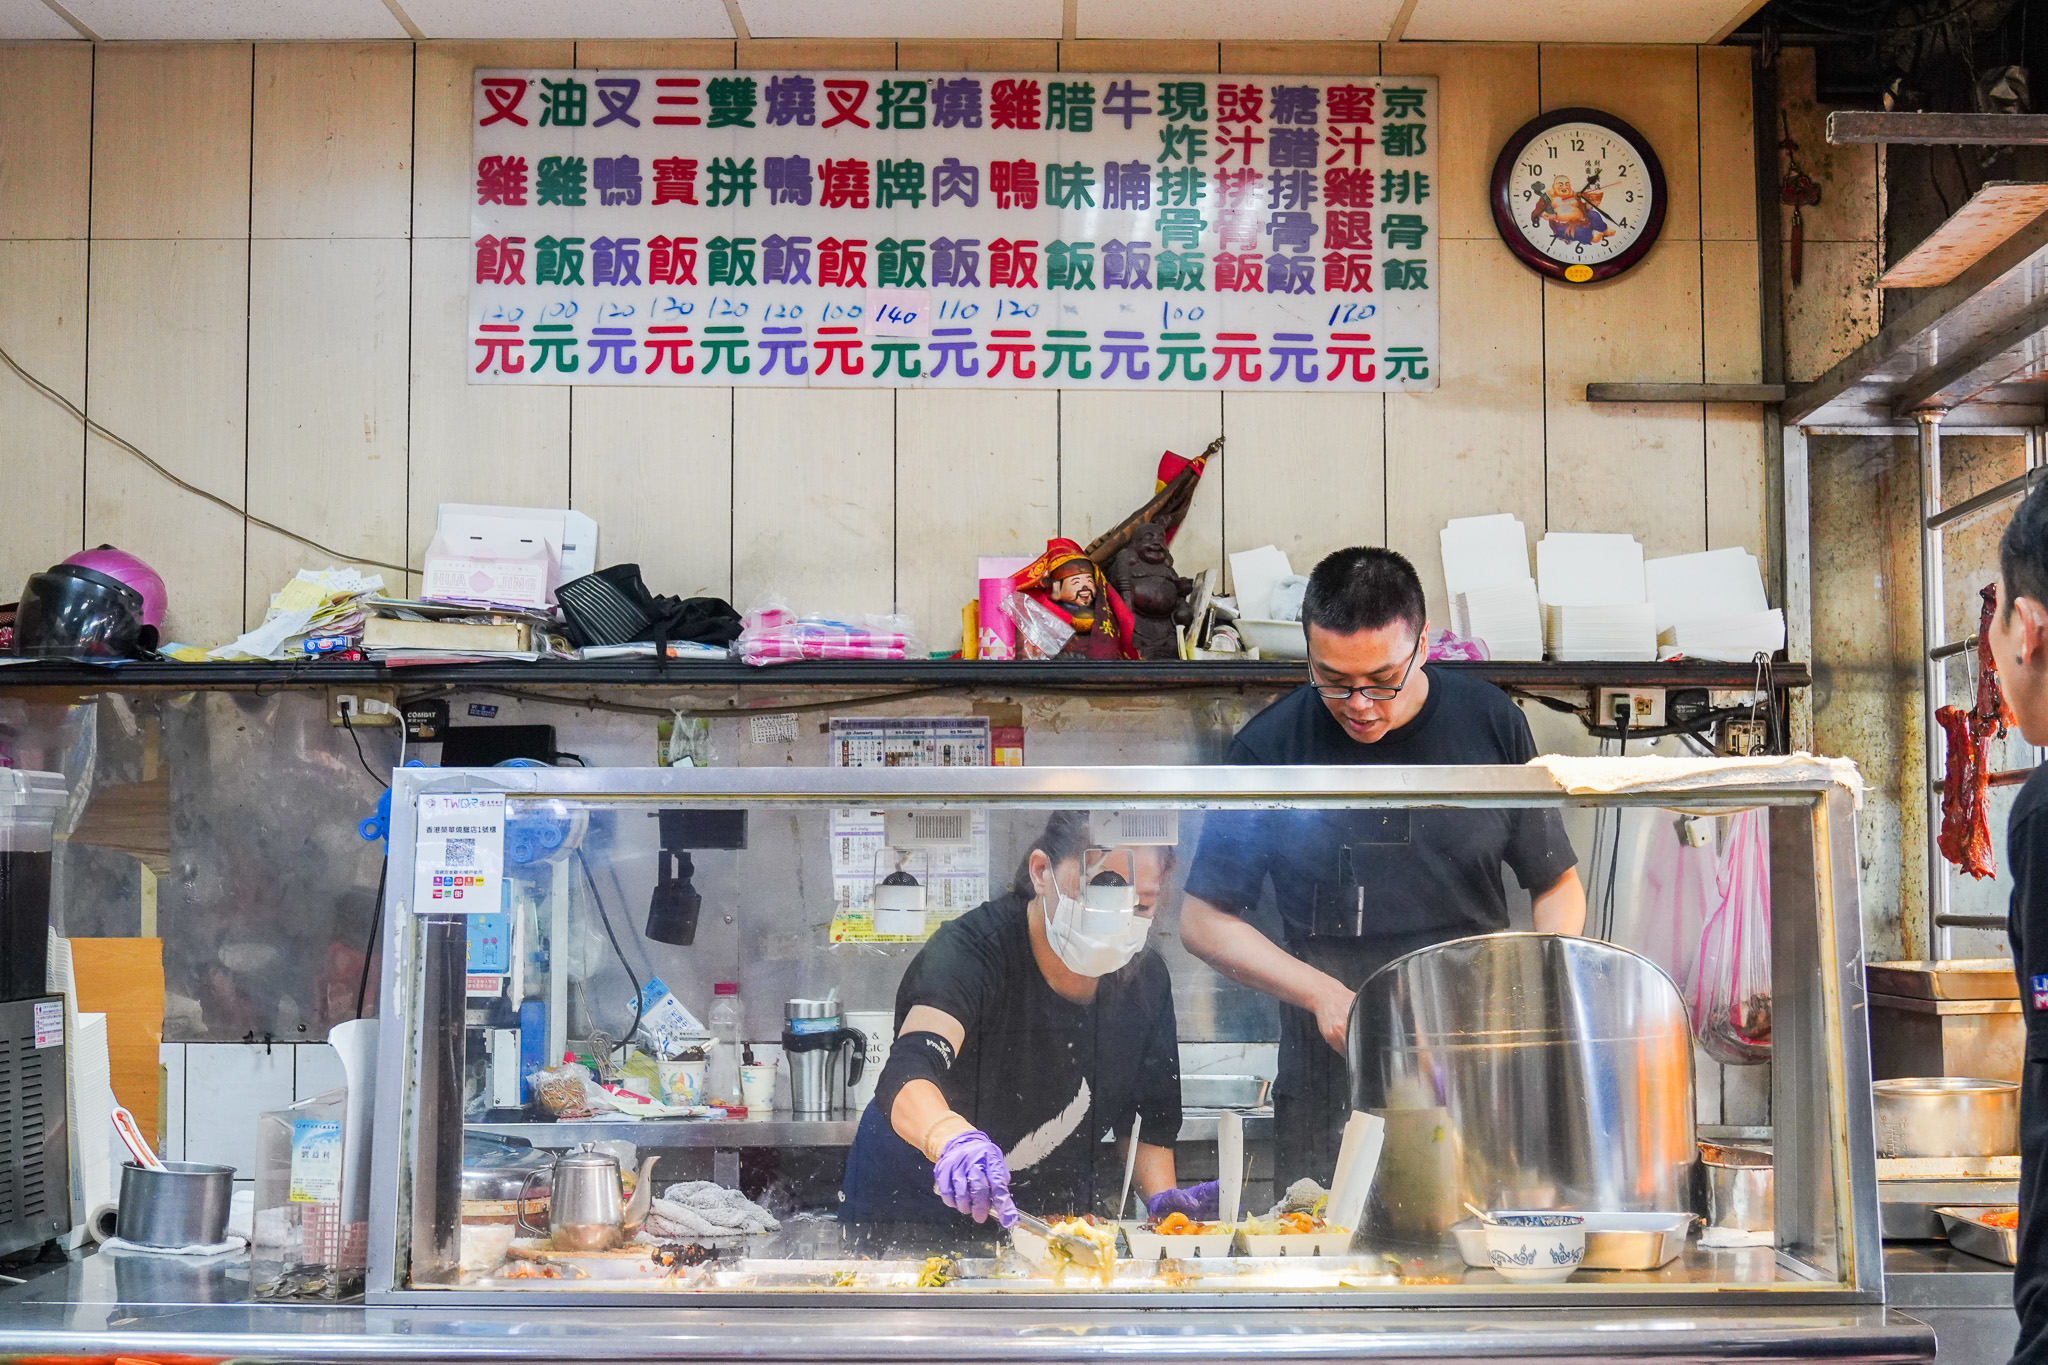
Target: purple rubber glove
(971,1177)
(1196,1201)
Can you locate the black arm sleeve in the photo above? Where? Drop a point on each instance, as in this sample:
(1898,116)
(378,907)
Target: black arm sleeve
(2026,852)
(916,1056)
(1159,1092)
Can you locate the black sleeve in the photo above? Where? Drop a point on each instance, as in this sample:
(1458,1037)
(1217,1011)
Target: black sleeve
(957,972)
(1232,860)
(2026,853)
(1538,849)
(1159,1086)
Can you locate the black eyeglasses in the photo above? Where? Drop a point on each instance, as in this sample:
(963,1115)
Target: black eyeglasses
(1333,693)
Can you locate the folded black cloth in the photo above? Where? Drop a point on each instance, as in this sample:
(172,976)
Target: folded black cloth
(614,607)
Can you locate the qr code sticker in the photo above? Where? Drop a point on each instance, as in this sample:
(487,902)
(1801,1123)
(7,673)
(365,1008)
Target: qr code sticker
(461,853)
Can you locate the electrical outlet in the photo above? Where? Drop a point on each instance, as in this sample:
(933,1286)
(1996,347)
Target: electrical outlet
(1646,707)
(365,705)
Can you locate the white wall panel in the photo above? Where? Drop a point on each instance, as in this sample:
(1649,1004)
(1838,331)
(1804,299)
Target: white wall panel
(42,458)
(653,468)
(888,18)
(332,140)
(1110,444)
(1486,92)
(1617,21)
(1305,474)
(443,85)
(170,140)
(1370,20)
(46,154)
(814,511)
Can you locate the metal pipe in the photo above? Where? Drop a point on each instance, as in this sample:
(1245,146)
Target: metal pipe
(1934,672)
(1991,497)
(437,1103)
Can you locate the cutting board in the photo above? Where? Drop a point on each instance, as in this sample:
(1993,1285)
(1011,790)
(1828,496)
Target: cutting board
(123,978)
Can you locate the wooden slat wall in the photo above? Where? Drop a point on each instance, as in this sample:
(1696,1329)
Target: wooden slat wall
(276,312)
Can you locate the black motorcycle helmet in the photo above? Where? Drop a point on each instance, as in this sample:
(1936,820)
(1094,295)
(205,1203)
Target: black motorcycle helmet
(72,612)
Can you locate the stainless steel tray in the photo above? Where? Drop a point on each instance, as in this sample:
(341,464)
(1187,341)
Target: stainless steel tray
(1965,1233)
(1908,1206)
(1614,1241)
(1963,978)
(1223,1092)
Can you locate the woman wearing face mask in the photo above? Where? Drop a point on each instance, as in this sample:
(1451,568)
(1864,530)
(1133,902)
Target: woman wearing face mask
(1025,1029)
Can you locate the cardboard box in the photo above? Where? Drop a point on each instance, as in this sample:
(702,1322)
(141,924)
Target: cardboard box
(516,556)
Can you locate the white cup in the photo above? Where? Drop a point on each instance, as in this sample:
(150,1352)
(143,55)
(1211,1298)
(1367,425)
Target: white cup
(757,1090)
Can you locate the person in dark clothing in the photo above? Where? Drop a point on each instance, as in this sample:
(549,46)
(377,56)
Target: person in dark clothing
(2019,646)
(1357,889)
(1025,1030)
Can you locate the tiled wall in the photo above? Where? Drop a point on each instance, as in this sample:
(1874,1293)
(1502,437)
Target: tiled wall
(214,1092)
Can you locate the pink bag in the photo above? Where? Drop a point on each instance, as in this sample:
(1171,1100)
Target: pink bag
(1731,984)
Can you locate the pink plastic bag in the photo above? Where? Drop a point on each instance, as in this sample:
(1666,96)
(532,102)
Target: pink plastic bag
(1731,985)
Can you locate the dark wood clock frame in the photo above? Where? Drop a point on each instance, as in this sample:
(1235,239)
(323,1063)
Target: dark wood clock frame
(1504,219)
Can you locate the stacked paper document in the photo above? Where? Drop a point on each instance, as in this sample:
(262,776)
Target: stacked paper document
(1594,602)
(316,603)
(1712,606)
(1486,574)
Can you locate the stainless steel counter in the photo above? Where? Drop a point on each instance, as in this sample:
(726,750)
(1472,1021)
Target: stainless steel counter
(1965,1299)
(1197,1125)
(108,1304)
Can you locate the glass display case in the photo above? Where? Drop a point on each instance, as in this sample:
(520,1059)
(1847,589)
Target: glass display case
(635,1021)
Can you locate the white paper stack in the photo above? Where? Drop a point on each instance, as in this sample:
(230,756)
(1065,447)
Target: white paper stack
(1712,606)
(1594,602)
(1486,573)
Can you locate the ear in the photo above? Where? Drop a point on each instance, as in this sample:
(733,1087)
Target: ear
(2030,626)
(1040,868)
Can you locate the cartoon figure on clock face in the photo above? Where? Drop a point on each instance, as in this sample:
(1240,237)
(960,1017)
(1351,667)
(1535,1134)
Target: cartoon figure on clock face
(1573,215)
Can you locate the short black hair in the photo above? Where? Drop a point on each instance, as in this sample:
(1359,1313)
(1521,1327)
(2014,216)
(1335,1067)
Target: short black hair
(1363,588)
(2023,551)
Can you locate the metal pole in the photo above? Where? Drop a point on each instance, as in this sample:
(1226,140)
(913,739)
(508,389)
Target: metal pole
(1796,538)
(1934,634)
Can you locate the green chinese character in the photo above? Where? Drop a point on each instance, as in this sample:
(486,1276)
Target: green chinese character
(563,104)
(1403,187)
(900,264)
(1407,362)
(900,352)
(726,348)
(1403,139)
(1187,101)
(903,105)
(1070,105)
(732,260)
(1070,187)
(1403,101)
(558,260)
(1403,230)
(730,183)
(1068,347)
(1180,227)
(1179,270)
(732,102)
(1182,356)
(1181,185)
(1398,274)
(561,180)
(558,346)
(899,182)
(1069,265)
(1177,142)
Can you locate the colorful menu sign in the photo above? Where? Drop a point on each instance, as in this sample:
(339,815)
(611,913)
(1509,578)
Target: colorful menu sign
(901,229)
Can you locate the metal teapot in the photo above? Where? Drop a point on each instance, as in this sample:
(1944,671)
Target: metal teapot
(588,1210)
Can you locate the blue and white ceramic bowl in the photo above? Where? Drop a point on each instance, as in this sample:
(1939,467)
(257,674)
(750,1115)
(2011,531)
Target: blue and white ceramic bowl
(1536,1248)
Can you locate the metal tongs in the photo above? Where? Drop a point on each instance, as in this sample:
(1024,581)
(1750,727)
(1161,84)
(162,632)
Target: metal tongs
(1081,1251)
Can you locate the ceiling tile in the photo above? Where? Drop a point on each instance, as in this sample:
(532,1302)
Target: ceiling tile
(901,19)
(31,19)
(500,19)
(237,19)
(1574,21)
(1210,20)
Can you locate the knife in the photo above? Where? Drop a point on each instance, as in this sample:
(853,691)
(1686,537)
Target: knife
(1081,1251)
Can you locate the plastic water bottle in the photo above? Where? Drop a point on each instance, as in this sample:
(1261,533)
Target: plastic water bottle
(722,1073)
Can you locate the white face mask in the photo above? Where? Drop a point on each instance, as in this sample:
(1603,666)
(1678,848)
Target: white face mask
(1099,935)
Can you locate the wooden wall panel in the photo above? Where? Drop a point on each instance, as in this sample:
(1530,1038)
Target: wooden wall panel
(45,158)
(1307,475)
(954,54)
(1110,54)
(837,54)
(472,443)
(332,140)
(166,370)
(1617,467)
(170,139)
(1487,91)
(675,54)
(813,498)
(1656,90)
(653,468)
(327,406)
(444,175)
(1110,444)
(42,459)
(1475,446)
(1302,59)
(1727,152)
(976,474)
(1732,352)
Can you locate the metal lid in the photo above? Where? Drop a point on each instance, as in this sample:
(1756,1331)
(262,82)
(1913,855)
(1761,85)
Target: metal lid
(811,1009)
(27,793)
(586,1156)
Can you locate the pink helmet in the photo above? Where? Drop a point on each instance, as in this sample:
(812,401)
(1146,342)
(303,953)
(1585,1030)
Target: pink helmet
(126,568)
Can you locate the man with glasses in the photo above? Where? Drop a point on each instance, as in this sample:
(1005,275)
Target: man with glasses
(1356,889)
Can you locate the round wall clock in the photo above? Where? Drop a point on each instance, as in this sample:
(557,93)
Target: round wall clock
(1578,195)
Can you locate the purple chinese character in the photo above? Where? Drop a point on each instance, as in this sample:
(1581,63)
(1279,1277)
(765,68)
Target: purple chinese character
(787,179)
(1126,265)
(1125,348)
(1295,104)
(617,93)
(956,262)
(953,350)
(615,343)
(787,343)
(1122,102)
(1294,190)
(1291,230)
(956,104)
(617,179)
(785,260)
(1126,185)
(792,99)
(1301,349)
(1291,147)
(952,180)
(1294,274)
(615,262)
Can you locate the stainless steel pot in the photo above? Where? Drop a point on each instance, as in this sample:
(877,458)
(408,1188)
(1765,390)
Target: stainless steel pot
(1741,1186)
(1523,1071)
(1946,1116)
(183,1205)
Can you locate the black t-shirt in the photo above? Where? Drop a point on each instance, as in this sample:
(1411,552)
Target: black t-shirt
(1044,1077)
(2026,854)
(1428,875)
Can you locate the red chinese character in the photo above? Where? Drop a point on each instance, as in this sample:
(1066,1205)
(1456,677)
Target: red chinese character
(1240,274)
(1355,141)
(845,341)
(1345,346)
(1348,230)
(1352,103)
(501,180)
(1238,188)
(1015,184)
(504,93)
(1240,104)
(1348,187)
(1240,354)
(845,98)
(675,180)
(1011,348)
(1237,231)
(671,260)
(672,342)
(845,184)
(1347,272)
(1012,265)
(500,261)
(677,83)
(1013,104)
(1241,141)
(499,348)
(843,263)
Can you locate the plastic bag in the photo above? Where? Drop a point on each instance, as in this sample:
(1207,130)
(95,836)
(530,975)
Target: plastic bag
(772,633)
(1041,634)
(1448,645)
(1731,988)
(568,1091)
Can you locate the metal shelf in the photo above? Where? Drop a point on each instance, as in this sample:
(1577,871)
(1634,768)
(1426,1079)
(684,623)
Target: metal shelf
(1197,1125)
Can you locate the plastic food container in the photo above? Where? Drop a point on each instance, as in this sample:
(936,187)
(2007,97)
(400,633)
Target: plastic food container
(1614,1241)
(1330,1241)
(1150,1246)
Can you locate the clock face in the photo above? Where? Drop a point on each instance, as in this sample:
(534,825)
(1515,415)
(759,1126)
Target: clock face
(1578,195)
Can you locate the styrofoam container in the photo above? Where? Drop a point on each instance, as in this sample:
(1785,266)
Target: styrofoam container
(1151,1246)
(1274,639)
(1332,1241)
